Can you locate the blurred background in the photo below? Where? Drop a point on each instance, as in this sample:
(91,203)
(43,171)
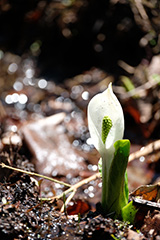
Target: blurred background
(67,37)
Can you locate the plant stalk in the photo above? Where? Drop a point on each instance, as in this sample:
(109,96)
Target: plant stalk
(104,184)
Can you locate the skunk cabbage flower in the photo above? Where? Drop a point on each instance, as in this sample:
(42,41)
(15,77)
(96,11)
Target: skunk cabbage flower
(106,126)
(105,121)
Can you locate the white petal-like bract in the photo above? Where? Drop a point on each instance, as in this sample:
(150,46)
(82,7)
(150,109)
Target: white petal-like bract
(101,105)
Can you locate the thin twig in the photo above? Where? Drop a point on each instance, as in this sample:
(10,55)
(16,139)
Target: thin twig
(75,186)
(146,204)
(67,201)
(145,22)
(34,174)
(151,147)
(141,10)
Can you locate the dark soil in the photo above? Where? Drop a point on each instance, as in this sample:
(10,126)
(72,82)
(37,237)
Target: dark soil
(24,216)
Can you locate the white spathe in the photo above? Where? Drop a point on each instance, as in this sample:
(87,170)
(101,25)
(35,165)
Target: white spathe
(101,105)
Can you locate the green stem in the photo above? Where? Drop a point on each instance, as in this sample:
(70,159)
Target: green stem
(115,187)
(104,185)
(106,163)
